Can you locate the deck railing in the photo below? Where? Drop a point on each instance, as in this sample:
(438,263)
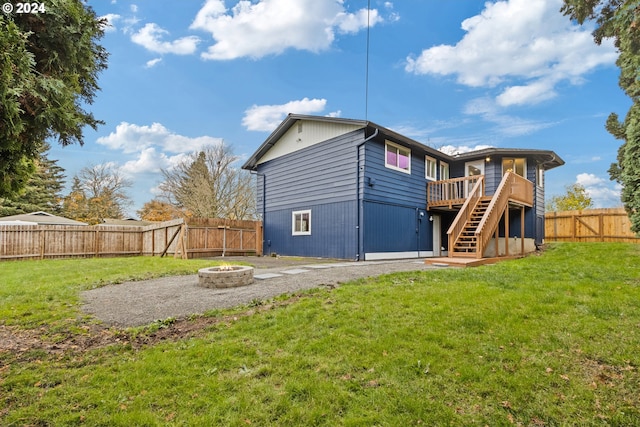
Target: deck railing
(451,192)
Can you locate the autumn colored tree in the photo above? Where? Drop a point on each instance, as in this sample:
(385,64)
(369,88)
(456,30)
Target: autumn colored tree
(575,199)
(157,210)
(97,192)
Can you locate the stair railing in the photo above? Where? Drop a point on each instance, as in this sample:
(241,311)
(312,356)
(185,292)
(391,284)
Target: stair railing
(465,212)
(491,217)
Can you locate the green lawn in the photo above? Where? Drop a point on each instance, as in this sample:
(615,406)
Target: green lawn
(546,340)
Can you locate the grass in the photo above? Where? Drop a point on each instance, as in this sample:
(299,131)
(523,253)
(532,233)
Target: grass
(46,293)
(545,340)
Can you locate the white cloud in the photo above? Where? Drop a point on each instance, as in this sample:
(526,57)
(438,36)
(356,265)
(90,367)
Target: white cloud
(351,23)
(507,125)
(604,193)
(150,37)
(131,138)
(153,62)
(268,117)
(269,27)
(148,160)
(452,150)
(152,148)
(525,46)
(111,19)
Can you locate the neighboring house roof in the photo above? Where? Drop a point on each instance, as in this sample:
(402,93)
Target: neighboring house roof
(42,218)
(127,222)
(547,158)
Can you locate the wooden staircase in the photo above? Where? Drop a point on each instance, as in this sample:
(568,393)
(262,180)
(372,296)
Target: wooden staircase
(479,216)
(467,242)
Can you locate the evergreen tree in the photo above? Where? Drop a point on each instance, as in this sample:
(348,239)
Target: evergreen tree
(42,190)
(49,64)
(620,21)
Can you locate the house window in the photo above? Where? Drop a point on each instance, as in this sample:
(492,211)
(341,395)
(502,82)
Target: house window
(301,223)
(540,180)
(518,166)
(444,171)
(397,157)
(430,167)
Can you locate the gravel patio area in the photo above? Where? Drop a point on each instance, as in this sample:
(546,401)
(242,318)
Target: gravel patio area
(143,302)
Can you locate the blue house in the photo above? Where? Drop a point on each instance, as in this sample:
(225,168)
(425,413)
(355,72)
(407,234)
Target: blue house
(351,189)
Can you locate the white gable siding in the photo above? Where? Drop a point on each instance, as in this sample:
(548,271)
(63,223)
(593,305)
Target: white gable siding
(303,134)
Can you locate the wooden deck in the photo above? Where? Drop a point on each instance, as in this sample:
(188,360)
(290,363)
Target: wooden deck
(466,262)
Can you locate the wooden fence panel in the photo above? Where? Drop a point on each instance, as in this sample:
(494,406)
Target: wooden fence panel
(206,237)
(594,225)
(215,237)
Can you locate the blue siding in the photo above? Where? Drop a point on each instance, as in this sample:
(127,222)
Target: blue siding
(393,186)
(322,178)
(392,202)
(322,173)
(333,232)
(395,228)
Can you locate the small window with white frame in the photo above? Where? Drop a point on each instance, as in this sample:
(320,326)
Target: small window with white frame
(397,157)
(444,171)
(301,223)
(430,168)
(540,180)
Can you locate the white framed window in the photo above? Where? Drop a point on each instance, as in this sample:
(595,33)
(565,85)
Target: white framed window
(444,171)
(430,166)
(301,223)
(397,157)
(540,176)
(518,166)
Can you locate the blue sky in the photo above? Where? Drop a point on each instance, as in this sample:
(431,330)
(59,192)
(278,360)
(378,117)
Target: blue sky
(455,75)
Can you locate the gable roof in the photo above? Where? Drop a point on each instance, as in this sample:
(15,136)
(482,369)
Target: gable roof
(547,158)
(41,217)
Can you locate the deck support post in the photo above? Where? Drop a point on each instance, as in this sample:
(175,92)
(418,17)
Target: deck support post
(522,230)
(506,231)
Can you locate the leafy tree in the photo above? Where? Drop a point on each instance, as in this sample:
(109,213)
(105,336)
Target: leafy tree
(42,190)
(97,192)
(157,210)
(575,199)
(75,204)
(208,186)
(620,20)
(49,64)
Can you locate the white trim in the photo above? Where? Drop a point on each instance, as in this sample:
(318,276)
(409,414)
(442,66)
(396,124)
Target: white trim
(373,256)
(398,148)
(524,166)
(444,166)
(479,163)
(293,223)
(428,159)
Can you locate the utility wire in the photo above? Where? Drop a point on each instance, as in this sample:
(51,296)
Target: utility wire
(366,77)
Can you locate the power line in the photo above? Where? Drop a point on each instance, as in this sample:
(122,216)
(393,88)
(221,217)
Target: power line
(366,77)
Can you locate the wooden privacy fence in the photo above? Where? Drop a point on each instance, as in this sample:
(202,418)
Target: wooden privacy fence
(594,225)
(197,238)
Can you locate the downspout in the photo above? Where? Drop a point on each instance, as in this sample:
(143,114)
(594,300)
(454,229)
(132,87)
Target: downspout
(358,198)
(264,207)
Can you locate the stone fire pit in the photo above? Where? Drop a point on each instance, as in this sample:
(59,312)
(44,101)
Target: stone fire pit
(226,276)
